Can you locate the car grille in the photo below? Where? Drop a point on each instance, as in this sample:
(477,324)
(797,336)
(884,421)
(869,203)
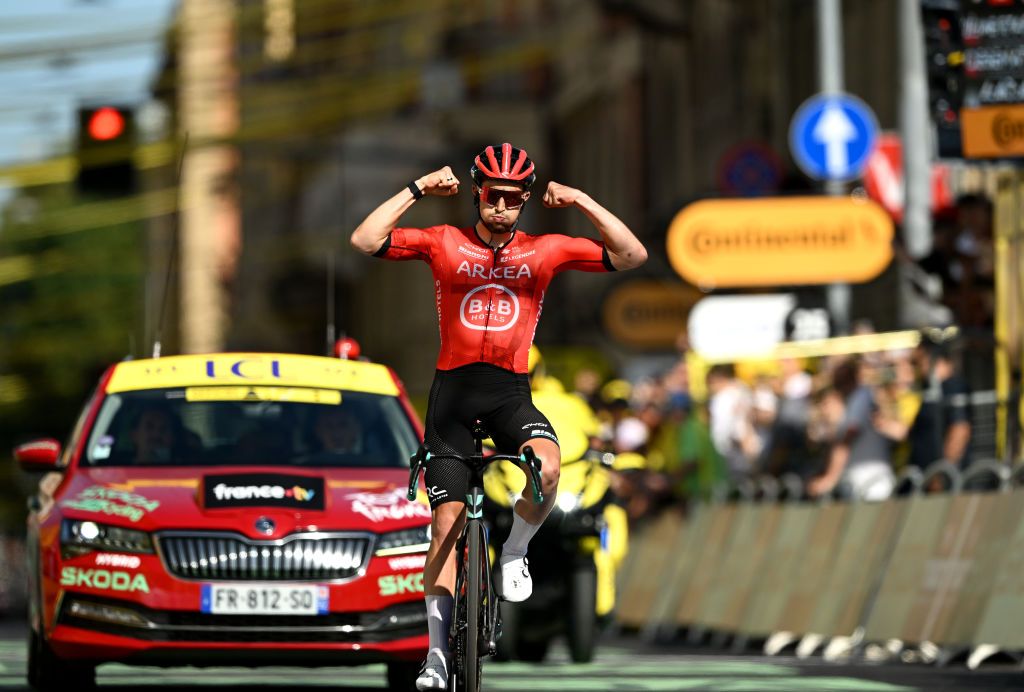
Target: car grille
(322,557)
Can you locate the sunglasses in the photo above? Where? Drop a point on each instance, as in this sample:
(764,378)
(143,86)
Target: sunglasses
(514,199)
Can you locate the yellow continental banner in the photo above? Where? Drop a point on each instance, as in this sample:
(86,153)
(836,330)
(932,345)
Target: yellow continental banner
(780,241)
(646,313)
(992,131)
(250,370)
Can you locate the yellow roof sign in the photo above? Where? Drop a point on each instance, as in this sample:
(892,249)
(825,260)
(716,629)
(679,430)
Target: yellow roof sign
(252,369)
(780,241)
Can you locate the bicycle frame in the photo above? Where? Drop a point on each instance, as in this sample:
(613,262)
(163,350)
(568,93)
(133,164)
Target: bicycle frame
(476,621)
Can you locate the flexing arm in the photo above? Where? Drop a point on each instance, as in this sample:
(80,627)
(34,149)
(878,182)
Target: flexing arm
(370,234)
(624,250)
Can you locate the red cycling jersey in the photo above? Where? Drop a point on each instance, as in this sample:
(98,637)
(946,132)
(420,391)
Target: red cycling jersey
(489,300)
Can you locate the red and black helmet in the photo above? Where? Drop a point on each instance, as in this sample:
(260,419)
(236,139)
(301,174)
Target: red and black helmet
(503,162)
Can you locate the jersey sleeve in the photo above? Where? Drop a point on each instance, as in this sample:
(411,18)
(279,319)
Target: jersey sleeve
(581,254)
(404,244)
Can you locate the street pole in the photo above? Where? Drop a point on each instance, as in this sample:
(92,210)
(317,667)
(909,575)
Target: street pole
(207,111)
(915,126)
(830,76)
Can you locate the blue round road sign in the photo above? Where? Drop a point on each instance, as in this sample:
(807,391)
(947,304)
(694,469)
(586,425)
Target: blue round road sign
(832,135)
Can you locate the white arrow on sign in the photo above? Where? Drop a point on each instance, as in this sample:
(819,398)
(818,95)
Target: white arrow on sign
(835,130)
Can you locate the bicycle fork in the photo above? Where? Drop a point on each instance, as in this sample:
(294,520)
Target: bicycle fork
(491,630)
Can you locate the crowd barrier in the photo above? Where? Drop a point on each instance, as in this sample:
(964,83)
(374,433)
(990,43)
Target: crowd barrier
(936,571)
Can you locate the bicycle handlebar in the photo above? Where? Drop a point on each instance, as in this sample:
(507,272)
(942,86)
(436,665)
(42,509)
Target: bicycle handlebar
(422,457)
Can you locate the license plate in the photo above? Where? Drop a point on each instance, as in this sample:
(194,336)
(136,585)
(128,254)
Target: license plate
(264,599)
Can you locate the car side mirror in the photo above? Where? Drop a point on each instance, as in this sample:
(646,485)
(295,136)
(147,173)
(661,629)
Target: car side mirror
(38,456)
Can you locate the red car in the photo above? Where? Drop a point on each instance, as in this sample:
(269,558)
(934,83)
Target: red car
(229,509)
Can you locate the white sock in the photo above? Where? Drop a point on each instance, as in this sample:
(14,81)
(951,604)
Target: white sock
(518,538)
(439,620)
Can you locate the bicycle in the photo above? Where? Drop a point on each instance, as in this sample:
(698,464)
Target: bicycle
(476,621)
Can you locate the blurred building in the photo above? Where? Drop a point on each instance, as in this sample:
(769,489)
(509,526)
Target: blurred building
(641,104)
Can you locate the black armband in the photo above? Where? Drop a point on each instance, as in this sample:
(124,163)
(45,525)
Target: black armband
(606,260)
(385,246)
(417,193)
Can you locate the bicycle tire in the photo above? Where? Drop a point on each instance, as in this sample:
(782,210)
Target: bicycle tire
(458,632)
(474,601)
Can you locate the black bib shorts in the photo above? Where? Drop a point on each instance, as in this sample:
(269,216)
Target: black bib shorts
(500,399)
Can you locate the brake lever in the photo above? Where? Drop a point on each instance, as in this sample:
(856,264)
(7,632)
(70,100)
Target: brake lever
(416,462)
(533,464)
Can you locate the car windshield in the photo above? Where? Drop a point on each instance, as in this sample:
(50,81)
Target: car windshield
(290,426)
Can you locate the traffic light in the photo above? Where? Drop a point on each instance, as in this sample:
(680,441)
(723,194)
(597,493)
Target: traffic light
(944,59)
(106,145)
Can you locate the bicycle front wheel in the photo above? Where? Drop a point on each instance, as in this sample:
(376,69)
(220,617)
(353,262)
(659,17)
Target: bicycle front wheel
(467,613)
(474,585)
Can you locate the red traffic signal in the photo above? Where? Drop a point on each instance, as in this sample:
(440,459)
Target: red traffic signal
(105,151)
(105,124)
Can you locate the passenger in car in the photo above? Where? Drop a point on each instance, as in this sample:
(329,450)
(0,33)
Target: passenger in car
(337,430)
(158,436)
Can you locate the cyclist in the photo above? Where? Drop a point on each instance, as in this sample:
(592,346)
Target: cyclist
(489,282)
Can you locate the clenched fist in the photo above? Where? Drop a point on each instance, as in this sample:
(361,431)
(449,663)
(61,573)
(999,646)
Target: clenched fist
(558,195)
(441,183)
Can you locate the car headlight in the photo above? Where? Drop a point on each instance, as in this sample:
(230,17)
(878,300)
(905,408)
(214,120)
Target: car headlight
(79,537)
(403,542)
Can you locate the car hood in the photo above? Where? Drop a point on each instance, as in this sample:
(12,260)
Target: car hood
(234,498)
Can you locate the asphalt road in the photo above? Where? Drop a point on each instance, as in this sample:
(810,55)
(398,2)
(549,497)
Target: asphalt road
(623,664)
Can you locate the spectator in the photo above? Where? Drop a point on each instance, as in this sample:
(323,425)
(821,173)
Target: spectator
(586,385)
(732,431)
(972,265)
(764,411)
(824,417)
(859,457)
(898,403)
(942,428)
(789,450)
(701,468)
(942,261)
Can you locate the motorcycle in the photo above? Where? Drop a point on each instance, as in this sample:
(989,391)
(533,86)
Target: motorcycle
(574,555)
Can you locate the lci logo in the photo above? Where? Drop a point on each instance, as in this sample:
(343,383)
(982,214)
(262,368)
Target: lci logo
(263,490)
